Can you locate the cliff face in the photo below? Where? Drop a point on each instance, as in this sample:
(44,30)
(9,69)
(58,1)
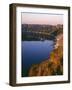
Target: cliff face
(52,66)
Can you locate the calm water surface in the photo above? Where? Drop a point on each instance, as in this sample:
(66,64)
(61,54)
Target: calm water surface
(34,52)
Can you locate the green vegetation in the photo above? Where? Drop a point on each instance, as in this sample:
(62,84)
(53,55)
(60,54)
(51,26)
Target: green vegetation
(38,32)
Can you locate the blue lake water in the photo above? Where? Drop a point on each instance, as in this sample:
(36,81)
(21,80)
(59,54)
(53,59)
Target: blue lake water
(34,52)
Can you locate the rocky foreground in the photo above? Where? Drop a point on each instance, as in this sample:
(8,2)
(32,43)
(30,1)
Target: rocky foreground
(52,66)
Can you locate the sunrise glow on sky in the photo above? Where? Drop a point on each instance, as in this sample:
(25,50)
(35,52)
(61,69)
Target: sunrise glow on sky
(36,18)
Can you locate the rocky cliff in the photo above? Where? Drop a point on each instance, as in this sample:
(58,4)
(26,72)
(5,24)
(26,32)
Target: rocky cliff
(52,66)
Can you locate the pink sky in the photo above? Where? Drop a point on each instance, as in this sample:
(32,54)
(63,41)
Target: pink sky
(51,19)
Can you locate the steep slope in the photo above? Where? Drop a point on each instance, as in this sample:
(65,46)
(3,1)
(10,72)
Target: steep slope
(52,66)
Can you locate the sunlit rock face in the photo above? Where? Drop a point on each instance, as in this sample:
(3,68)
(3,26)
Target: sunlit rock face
(53,66)
(59,41)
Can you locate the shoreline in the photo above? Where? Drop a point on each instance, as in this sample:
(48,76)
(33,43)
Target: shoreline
(52,66)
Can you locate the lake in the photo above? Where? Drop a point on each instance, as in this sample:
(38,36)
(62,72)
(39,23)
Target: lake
(34,52)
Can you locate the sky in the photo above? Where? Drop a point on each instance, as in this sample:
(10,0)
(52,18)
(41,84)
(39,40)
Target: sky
(36,18)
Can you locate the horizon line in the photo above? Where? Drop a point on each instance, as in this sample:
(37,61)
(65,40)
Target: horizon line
(42,24)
